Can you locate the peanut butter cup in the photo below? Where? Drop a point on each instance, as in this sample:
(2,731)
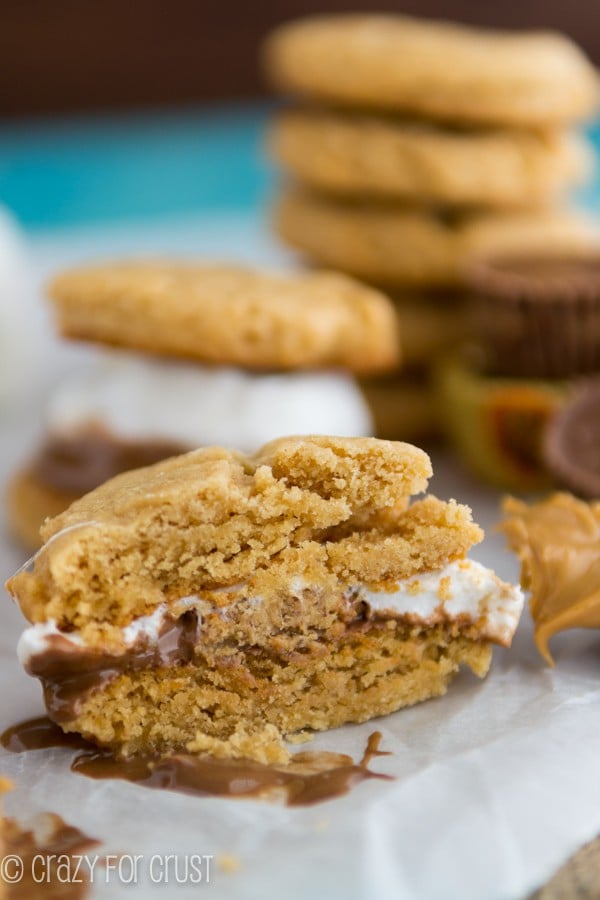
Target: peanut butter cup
(572,441)
(538,316)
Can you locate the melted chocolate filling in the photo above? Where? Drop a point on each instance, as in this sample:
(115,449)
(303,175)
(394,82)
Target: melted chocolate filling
(40,734)
(69,672)
(79,463)
(311,777)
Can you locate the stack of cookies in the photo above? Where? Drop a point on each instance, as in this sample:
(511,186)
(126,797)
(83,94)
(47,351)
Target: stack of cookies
(206,355)
(418,145)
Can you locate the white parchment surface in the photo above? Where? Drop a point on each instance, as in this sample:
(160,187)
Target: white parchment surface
(496,784)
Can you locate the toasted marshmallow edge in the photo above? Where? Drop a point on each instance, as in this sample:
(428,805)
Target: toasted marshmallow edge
(462,590)
(139,398)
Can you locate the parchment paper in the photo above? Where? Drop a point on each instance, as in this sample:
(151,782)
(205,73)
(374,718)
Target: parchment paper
(496,784)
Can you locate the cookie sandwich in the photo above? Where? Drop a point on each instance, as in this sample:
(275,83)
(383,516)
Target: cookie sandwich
(198,355)
(223,597)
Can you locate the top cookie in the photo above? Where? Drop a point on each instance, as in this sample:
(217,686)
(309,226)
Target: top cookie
(436,69)
(330,510)
(230,315)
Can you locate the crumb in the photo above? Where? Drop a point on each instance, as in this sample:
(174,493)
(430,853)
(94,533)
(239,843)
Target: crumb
(227,862)
(300,737)
(444,593)
(264,745)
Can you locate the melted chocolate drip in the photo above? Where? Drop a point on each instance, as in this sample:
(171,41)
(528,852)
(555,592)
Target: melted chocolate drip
(70,672)
(79,463)
(39,734)
(311,777)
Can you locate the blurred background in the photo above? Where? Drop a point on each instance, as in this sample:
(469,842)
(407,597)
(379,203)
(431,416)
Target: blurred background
(68,55)
(138,128)
(112,110)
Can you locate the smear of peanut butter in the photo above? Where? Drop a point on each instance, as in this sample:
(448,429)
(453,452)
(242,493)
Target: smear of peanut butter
(558,543)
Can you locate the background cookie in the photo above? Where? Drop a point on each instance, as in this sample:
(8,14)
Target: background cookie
(404,408)
(229,315)
(29,503)
(362,156)
(396,246)
(429,327)
(437,69)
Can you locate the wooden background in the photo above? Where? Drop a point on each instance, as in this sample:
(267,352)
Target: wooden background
(59,55)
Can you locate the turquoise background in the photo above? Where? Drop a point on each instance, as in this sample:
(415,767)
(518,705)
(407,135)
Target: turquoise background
(61,172)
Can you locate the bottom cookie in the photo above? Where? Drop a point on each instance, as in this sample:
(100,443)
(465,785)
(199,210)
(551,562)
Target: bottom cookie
(371,670)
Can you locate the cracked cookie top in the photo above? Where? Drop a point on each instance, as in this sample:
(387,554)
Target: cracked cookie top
(329,510)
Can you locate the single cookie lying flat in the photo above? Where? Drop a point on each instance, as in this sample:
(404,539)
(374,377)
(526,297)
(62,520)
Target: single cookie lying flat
(368,157)
(436,69)
(229,315)
(216,592)
(398,246)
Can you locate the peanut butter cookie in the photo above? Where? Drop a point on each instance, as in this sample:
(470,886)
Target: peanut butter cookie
(215,594)
(353,155)
(436,69)
(229,315)
(399,246)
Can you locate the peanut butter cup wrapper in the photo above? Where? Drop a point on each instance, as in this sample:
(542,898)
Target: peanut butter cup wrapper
(571,444)
(496,424)
(537,317)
